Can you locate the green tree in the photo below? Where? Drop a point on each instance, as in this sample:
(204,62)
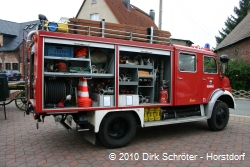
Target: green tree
(232,22)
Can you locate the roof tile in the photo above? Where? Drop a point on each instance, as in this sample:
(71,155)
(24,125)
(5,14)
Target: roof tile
(14,33)
(9,28)
(134,16)
(240,32)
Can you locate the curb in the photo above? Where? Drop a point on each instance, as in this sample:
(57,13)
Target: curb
(241,98)
(239,118)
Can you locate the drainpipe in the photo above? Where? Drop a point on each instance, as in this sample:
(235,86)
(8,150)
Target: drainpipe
(160,15)
(23,47)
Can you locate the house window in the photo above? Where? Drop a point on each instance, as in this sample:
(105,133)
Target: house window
(236,52)
(7,66)
(15,66)
(94,1)
(94,16)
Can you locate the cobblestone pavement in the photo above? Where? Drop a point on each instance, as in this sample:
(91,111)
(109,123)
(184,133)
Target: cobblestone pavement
(21,145)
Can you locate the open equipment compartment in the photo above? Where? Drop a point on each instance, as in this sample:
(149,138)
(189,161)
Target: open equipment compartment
(66,61)
(143,73)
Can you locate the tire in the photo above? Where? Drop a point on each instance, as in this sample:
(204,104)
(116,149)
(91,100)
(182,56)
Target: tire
(117,129)
(220,117)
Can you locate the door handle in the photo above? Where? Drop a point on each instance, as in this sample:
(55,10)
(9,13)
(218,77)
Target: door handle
(180,78)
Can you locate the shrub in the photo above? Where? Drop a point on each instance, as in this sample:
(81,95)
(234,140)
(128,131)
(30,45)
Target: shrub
(238,71)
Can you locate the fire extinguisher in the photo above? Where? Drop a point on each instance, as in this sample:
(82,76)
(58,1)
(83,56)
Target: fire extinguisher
(163,95)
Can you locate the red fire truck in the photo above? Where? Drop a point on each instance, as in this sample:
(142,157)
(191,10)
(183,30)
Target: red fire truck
(110,81)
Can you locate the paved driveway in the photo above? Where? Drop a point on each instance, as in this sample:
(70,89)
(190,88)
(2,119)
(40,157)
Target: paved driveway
(189,144)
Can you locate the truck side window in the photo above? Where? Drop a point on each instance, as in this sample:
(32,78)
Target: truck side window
(209,65)
(187,62)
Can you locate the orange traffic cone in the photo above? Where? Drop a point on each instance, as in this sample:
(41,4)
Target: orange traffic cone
(83,94)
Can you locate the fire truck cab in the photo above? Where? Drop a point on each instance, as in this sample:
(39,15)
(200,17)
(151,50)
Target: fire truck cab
(109,85)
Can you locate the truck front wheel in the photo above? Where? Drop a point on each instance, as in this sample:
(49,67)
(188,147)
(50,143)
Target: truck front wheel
(220,116)
(117,129)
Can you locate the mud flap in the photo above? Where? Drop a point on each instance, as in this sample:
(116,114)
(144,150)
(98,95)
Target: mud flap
(90,135)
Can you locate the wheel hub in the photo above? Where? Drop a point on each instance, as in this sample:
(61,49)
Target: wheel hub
(118,128)
(221,115)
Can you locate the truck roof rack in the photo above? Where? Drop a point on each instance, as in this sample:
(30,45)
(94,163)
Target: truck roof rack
(109,30)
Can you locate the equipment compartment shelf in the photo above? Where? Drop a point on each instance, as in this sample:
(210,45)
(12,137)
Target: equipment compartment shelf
(128,83)
(136,66)
(145,86)
(65,74)
(145,76)
(66,58)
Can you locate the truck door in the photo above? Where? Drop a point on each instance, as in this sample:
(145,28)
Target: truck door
(210,77)
(186,92)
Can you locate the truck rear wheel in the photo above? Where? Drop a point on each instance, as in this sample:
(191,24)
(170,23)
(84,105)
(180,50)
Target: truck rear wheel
(117,129)
(220,116)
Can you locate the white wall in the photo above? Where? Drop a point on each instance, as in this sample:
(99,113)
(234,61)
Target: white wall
(100,7)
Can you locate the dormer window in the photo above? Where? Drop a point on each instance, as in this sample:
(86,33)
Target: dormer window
(32,25)
(26,26)
(94,1)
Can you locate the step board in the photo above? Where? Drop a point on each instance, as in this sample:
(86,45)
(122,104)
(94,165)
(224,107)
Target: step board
(175,121)
(79,128)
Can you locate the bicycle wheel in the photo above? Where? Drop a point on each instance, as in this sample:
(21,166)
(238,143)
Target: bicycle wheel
(21,103)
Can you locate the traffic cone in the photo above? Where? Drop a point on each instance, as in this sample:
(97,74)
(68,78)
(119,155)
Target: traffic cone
(83,94)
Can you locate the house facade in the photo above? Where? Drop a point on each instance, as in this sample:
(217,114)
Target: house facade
(121,12)
(116,11)
(237,43)
(182,42)
(12,43)
(96,10)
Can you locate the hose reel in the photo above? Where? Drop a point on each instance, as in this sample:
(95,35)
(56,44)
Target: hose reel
(56,90)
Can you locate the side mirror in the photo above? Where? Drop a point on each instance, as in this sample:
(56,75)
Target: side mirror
(223,59)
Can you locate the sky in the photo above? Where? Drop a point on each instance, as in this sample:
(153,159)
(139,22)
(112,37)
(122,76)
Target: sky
(196,20)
